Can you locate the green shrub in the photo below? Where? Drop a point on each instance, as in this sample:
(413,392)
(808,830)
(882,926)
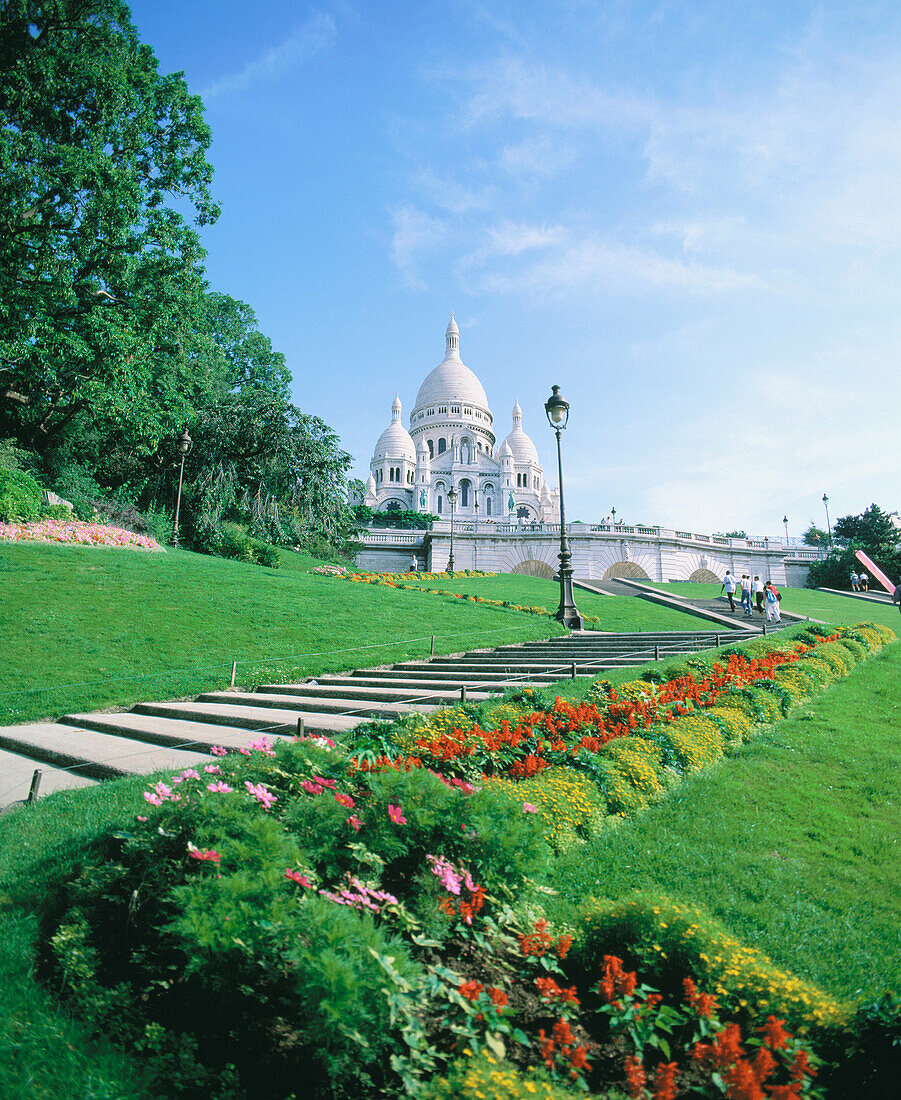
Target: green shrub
(629,774)
(733,723)
(20,497)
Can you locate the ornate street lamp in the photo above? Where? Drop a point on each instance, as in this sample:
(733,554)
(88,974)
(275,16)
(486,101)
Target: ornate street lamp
(785,521)
(828,524)
(185,445)
(613,513)
(557,410)
(452,498)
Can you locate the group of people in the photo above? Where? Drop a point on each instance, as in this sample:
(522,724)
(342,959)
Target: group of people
(860,582)
(767,595)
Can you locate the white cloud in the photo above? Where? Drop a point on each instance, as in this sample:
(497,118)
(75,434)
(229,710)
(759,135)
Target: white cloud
(316,35)
(593,263)
(416,234)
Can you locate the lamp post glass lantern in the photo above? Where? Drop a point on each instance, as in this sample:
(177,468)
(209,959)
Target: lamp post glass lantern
(785,521)
(828,524)
(452,500)
(557,409)
(185,445)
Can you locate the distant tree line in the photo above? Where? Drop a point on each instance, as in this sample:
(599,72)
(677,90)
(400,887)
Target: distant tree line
(873,532)
(111,340)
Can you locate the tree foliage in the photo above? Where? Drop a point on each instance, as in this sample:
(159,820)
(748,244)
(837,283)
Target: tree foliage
(873,532)
(110,339)
(99,277)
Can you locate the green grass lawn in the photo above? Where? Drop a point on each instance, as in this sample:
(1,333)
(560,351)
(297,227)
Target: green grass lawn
(616,613)
(91,627)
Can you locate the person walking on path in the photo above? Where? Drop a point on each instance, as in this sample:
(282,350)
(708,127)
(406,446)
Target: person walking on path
(729,585)
(864,582)
(771,599)
(746,593)
(896,596)
(757,589)
(855,582)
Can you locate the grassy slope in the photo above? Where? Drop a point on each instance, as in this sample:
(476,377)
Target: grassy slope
(121,623)
(615,612)
(793,844)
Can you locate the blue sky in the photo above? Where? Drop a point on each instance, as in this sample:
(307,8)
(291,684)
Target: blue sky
(686,214)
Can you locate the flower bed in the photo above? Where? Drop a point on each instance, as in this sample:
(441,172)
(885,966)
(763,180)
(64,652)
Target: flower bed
(75,532)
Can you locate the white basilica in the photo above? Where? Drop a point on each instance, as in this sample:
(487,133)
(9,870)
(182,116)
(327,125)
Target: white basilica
(451,443)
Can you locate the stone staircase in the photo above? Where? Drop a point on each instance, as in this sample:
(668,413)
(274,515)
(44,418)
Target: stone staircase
(83,748)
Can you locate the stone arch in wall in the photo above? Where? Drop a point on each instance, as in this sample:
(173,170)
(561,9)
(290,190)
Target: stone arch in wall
(704,576)
(626,569)
(534,568)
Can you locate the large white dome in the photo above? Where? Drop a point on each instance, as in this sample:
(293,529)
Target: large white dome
(520,444)
(451,380)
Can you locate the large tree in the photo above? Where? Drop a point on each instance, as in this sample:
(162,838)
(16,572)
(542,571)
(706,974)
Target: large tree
(100,276)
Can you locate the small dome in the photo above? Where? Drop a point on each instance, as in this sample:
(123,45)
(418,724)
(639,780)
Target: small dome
(504,451)
(519,443)
(395,441)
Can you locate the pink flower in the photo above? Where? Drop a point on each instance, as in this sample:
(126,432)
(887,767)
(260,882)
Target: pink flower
(218,750)
(345,800)
(209,855)
(188,773)
(396,814)
(163,791)
(330,783)
(264,745)
(296,876)
(141,817)
(213,769)
(153,799)
(528,808)
(218,788)
(354,822)
(259,792)
(311,788)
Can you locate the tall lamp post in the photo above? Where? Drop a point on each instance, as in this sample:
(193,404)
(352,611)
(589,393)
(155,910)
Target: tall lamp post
(557,410)
(828,524)
(185,445)
(452,499)
(613,513)
(785,521)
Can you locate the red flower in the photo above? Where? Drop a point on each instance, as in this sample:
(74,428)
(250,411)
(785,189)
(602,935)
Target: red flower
(498,996)
(665,1081)
(563,946)
(471,990)
(774,1034)
(636,1078)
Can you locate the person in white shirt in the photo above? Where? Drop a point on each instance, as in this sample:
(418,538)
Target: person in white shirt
(729,586)
(864,583)
(746,593)
(757,589)
(855,582)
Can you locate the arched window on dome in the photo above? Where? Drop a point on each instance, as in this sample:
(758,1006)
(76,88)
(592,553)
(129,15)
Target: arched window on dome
(431,447)
(442,445)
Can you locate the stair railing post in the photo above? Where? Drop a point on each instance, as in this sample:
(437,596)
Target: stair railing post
(234,673)
(35,783)
(573,675)
(463,694)
(656,652)
(299,728)
(432,648)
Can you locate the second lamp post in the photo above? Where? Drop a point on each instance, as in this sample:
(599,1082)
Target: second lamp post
(557,410)
(452,500)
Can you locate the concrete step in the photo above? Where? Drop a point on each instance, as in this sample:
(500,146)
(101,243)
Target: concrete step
(344,687)
(498,680)
(17,772)
(172,732)
(95,755)
(259,719)
(313,704)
